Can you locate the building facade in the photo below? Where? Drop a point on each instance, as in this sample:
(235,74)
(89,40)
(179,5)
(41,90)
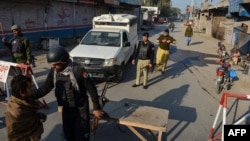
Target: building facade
(63,19)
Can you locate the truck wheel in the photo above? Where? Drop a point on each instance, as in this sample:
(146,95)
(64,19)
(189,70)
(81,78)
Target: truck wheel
(118,73)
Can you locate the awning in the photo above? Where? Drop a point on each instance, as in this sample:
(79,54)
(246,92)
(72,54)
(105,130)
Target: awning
(131,2)
(243,11)
(221,4)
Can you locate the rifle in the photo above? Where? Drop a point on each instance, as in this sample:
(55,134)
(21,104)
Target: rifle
(151,70)
(102,101)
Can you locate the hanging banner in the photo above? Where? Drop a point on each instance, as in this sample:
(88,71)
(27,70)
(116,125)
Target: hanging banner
(4,71)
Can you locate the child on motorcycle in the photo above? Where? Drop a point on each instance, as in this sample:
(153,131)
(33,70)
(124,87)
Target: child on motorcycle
(236,56)
(221,49)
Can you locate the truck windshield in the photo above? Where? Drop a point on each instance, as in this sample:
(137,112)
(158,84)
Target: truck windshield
(100,38)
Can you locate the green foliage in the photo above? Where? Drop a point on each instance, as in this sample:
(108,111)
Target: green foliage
(170,11)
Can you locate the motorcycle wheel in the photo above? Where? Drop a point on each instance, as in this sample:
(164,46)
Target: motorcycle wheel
(228,86)
(218,87)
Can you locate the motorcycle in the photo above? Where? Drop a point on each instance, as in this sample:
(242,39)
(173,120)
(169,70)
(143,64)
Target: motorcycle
(171,26)
(223,79)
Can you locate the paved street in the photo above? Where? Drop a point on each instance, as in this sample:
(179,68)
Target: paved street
(187,90)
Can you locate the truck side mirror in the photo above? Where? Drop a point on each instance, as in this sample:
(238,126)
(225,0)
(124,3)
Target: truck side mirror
(126,44)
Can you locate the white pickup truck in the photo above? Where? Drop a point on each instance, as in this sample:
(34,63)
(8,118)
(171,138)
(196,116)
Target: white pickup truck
(105,50)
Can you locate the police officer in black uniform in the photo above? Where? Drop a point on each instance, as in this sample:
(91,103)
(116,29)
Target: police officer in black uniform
(71,83)
(145,54)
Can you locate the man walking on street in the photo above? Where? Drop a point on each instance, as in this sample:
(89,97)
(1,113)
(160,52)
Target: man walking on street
(71,82)
(188,34)
(162,54)
(145,54)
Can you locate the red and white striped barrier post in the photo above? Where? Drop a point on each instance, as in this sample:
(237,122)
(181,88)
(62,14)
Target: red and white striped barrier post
(223,104)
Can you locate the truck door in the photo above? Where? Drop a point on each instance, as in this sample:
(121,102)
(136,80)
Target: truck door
(125,47)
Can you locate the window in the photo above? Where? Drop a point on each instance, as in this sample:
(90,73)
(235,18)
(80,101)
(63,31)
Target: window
(124,37)
(101,38)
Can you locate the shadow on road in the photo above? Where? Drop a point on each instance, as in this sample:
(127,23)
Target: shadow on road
(55,133)
(2,124)
(41,73)
(196,43)
(172,101)
(52,108)
(193,57)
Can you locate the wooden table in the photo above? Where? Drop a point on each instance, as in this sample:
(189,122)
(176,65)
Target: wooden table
(145,117)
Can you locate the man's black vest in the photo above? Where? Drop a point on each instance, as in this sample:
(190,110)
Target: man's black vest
(144,50)
(16,45)
(66,93)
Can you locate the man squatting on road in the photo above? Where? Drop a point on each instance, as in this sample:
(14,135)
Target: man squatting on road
(23,121)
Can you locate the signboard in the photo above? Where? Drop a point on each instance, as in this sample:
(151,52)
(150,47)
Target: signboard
(4,71)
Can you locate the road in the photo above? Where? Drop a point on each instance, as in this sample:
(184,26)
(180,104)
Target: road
(187,90)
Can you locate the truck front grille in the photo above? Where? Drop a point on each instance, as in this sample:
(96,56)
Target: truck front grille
(89,62)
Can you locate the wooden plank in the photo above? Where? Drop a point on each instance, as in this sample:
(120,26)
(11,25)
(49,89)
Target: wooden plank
(143,125)
(159,136)
(136,133)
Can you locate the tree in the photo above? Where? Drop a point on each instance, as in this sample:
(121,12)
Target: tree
(149,2)
(159,3)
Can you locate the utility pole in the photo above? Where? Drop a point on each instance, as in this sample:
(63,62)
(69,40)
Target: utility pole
(191,10)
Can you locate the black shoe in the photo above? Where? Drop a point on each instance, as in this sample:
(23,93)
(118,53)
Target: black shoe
(145,87)
(162,72)
(135,85)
